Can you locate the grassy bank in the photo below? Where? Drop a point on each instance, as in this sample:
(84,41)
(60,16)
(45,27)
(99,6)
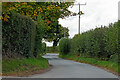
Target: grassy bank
(15,66)
(109,65)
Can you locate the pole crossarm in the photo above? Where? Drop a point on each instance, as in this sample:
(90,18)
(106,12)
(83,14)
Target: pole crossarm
(80,4)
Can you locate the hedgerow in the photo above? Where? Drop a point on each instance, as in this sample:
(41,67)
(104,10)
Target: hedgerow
(21,36)
(18,36)
(64,46)
(99,43)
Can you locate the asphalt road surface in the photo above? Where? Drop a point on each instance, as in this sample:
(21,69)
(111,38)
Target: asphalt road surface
(70,69)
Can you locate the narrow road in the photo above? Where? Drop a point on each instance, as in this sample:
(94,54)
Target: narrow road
(70,69)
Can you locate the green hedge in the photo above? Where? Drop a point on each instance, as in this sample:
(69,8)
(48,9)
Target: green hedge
(40,32)
(52,49)
(99,43)
(18,36)
(64,46)
(43,48)
(22,36)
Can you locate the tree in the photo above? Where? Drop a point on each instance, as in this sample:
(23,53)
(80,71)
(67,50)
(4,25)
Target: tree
(56,34)
(63,32)
(50,12)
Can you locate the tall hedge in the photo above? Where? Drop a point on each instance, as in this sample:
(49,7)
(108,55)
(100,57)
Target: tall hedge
(40,32)
(18,36)
(64,46)
(102,43)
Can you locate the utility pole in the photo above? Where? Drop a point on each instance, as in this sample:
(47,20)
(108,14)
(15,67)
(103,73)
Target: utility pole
(79,16)
(119,10)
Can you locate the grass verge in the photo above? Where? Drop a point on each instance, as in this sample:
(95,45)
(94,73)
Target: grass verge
(19,66)
(110,66)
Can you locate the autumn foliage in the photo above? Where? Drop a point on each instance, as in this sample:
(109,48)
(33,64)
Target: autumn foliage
(25,24)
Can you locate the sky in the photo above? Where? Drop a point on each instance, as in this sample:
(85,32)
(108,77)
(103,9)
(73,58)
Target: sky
(96,13)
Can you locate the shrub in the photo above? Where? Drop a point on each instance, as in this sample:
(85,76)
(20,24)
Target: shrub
(64,45)
(43,47)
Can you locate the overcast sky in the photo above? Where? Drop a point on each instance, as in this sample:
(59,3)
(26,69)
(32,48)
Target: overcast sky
(96,13)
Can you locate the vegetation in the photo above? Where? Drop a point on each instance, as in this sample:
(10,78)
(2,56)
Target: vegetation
(57,35)
(45,16)
(98,44)
(44,48)
(22,45)
(21,36)
(18,36)
(64,45)
(52,49)
(25,25)
(40,47)
(50,13)
(22,65)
